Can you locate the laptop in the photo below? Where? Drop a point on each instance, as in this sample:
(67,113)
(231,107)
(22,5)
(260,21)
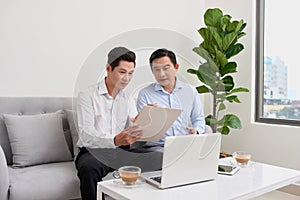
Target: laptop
(187,159)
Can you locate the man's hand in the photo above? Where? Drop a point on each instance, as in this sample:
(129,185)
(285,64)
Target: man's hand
(128,136)
(191,130)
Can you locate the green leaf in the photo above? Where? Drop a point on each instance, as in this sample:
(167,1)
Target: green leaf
(228,83)
(228,40)
(205,34)
(240,89)
(239,26)
(234,50)
(241,35)
(242,28)
(202,89)
(212,65)
(232,121)
(228,68)
(233,98)
(225,21)
(230,27)
(209,46)
(207,75)
(202,52)
(218,38)
(192,71)
(224,130)
(212,17)
(227,17)
(209,120)
(222,107)
(221,58)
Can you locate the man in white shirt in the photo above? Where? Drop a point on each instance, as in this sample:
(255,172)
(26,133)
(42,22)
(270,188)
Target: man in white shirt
(103,112)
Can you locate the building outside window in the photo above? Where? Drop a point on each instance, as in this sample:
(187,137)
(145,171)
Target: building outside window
(278,73)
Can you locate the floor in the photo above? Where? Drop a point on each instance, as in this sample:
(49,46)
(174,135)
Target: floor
(277,195)
(290,192)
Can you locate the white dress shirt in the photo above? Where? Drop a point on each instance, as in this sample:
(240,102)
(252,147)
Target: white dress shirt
(100,117)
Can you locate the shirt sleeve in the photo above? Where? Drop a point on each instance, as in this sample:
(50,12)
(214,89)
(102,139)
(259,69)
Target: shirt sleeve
(132,107)
(141,101)
(197,115)
(88,136)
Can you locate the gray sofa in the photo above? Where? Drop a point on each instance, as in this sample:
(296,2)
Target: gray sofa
(47,175)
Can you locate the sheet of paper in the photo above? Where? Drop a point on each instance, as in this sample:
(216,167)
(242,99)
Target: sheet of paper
(155,121)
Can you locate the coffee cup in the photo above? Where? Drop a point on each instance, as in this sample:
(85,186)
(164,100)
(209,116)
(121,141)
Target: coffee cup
(128,174)
(242,158)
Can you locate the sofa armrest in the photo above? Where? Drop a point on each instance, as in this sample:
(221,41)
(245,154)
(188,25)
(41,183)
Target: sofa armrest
(4,180)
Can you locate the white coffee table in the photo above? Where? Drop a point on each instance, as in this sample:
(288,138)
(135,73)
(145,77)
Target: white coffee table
(248,183)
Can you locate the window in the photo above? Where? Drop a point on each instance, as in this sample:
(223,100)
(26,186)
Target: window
(277,62)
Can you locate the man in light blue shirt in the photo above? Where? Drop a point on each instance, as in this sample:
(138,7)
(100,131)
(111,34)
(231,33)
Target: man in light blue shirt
(170,92)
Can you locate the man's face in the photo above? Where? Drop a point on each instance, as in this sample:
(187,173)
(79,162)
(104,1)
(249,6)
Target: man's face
(164,72)
(121,75)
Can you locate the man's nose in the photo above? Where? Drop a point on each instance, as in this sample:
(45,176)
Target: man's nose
(161,73)
(126,77)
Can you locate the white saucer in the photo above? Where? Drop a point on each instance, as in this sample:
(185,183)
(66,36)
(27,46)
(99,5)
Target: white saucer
(120,183)
(232,161)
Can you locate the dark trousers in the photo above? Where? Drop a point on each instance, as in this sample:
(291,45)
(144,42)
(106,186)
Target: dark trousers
(90,171)
(94,164)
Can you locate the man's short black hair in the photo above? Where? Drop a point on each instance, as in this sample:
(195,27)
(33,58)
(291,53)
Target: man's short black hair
(120,53)
(159,53)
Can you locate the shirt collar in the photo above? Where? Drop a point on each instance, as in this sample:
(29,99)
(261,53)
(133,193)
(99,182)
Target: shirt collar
(178,85)
(102,89)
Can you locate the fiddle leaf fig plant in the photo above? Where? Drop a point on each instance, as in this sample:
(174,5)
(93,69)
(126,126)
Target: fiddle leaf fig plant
(220,44)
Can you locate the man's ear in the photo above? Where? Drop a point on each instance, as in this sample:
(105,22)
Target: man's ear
(108,68)
(176,66)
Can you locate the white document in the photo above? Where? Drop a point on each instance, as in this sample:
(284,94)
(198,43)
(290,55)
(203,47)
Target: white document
(155,121)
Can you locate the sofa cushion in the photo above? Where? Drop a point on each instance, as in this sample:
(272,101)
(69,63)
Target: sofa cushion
(53,181)
(72,119)
(37,139)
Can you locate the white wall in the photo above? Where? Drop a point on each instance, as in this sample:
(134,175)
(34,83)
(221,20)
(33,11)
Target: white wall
(272,144)
(44,44)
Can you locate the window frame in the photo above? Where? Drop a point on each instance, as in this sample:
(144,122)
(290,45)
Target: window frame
(259,75)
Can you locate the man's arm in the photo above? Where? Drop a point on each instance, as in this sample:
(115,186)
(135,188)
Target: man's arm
(141,101)
(88,135)
(197,114)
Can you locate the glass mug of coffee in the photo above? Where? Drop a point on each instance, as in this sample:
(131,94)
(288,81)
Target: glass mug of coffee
(242,158)
(128,174)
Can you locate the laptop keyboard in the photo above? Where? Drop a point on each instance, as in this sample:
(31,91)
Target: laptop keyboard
(156,178)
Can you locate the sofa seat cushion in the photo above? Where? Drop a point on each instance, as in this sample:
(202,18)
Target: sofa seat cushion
(54,181)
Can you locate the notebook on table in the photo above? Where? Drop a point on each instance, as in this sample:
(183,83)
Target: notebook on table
(187,159)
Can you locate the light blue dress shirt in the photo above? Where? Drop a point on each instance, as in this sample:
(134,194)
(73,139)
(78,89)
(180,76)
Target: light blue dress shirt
(185,97)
